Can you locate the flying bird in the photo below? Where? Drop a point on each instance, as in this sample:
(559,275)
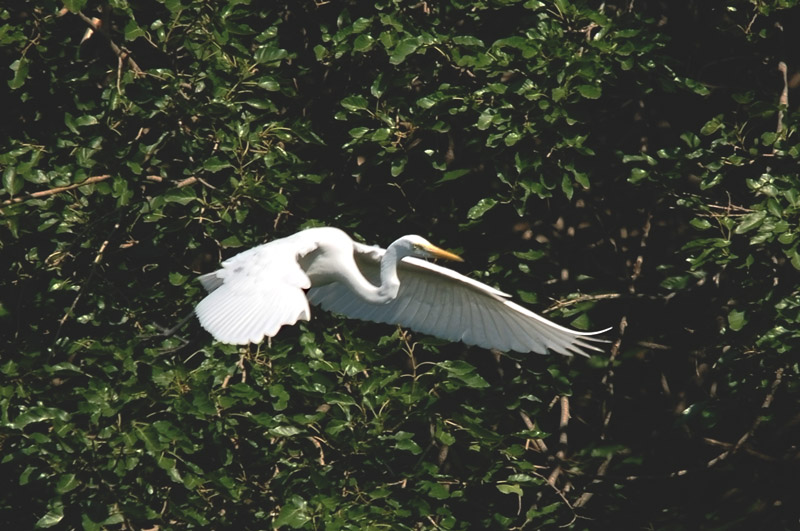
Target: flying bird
(258,291)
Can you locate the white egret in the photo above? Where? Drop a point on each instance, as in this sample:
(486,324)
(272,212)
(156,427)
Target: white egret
(258,291)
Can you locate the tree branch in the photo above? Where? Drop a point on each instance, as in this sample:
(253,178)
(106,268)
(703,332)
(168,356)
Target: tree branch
(561,454)
(784,99)
(120,53)
(57,190)
(756,423)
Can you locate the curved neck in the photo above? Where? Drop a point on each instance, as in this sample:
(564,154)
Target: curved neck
(390,283)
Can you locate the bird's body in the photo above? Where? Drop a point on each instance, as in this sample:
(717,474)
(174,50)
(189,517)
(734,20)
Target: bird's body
(269,286)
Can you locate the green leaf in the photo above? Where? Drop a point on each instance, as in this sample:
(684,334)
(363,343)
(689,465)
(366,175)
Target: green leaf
(676,283)
(358,132)
(406,443)
(590,91)
(436,490)
(231,242)
(20,68)
(510,489)
(582,179)
(66,483)
(133,31)
(566,186)
(85,120)
(512,138)
(361,24)
(700,223)
(11,183)
(468,40)
(54,515)
(354,103)
(39,414)
(483,206)
(363,43)
(637,174)
(269,84)
(750,221)
(426,103)
(736,320)
(768,138)
(74,5)
(774,207)
(484,120)
(465,372)
(380,134)
(403,50)
(795,260)
(285,431)
(711,126)
(452,175)
(398,165)
(378,86)
(294,514)
(269,54)
(215,164)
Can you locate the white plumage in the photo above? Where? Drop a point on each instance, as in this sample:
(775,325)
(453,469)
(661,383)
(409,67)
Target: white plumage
(258,291)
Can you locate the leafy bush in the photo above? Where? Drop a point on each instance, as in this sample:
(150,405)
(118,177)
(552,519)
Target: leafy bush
(614,164)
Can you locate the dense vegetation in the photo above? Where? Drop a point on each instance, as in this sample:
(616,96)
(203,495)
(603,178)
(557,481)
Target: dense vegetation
(624,164)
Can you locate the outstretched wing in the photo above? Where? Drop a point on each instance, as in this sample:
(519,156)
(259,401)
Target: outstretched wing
(438,301)
(256,292)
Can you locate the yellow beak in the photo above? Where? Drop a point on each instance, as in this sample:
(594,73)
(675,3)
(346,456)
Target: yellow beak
(441,253)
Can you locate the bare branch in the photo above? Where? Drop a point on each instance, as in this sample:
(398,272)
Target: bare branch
(119,52)
(784,99)
(561,454)
(756,423)
(57,190)
(98,257)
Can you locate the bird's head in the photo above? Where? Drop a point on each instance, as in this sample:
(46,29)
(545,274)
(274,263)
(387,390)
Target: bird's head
(414,245)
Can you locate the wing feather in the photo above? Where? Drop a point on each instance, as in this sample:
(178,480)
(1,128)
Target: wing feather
(466,315)
(428,293)
(448,316)
(448,305)
(257,292)
(497,331)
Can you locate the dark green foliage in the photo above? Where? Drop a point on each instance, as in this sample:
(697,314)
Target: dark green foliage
(634,162)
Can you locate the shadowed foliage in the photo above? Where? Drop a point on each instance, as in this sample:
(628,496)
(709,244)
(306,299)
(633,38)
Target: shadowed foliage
(623,164)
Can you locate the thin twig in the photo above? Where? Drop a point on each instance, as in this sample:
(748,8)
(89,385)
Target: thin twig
(615,348)
(186,182)
(756,423)
(316,443)
(601,471)
(560,495)
(242,367)
(98,257)
(752,20)
(784,99)
(57,190)
(581,298)
(637,265)
(538,443)
(169,332)
(751,451)
(561,454)
(119,52)
(623,323)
